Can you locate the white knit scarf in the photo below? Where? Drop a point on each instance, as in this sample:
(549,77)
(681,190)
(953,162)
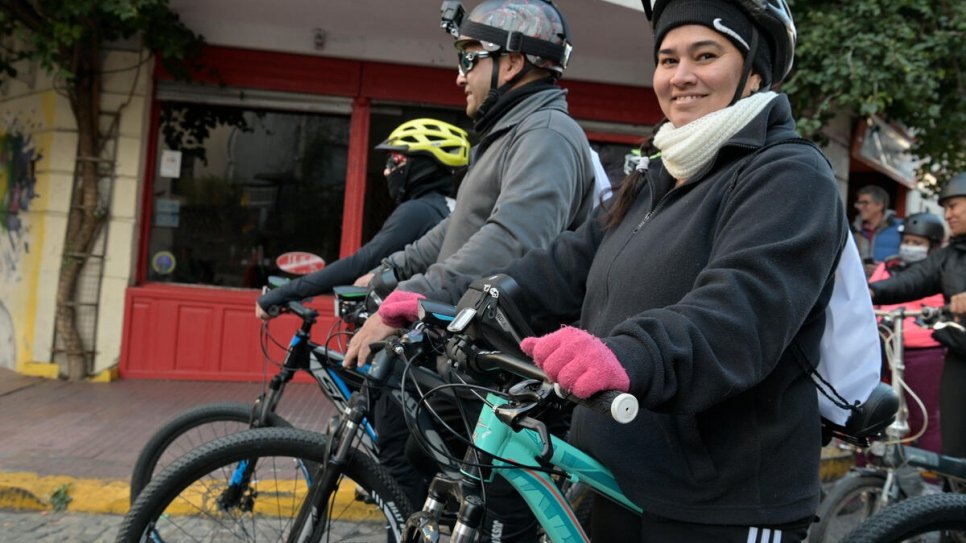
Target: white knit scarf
(685,150)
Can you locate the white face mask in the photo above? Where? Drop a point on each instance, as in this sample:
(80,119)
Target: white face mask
(912,253)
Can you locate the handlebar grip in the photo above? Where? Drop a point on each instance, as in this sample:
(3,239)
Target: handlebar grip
(621,406)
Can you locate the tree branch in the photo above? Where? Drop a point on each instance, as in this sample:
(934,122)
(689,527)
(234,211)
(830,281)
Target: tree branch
(24,13)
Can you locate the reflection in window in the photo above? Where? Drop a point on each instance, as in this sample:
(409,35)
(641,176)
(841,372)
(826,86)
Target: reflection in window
(237,187)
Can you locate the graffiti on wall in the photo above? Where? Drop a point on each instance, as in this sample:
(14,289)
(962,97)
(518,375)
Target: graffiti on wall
(18,158)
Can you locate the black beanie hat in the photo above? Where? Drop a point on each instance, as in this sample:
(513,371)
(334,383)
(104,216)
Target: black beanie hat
(724,18)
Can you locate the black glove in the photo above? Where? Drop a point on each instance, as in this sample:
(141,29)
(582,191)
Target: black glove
(952,339)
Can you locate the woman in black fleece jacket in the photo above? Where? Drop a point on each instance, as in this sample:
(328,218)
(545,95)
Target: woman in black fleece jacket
(700,288)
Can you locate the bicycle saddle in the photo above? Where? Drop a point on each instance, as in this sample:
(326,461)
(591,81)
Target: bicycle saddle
(869,419)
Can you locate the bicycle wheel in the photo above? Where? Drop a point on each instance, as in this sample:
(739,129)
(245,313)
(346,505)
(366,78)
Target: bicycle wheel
(936,517)
(852,500)
(199,498)
(189,430)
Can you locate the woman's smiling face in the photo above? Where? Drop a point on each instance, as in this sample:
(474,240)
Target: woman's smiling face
(697,73)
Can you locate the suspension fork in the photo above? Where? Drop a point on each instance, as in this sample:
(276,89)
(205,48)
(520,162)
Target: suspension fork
(324,482)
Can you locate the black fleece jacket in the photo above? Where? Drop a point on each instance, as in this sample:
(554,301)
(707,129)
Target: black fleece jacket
(712,296)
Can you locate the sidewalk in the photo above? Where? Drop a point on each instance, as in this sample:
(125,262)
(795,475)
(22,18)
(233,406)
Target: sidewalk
(88,435)
(85,437)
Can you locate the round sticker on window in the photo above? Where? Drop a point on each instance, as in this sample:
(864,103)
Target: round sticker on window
(163,262)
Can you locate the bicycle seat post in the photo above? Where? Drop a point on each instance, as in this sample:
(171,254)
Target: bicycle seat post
(900,427)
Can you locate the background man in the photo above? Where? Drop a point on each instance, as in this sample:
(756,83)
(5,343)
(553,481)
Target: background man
(876,227)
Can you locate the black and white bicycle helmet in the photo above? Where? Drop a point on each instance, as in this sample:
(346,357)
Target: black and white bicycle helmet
(924,224)
(773,17)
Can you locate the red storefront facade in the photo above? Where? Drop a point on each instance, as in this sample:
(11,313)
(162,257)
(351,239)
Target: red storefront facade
(176,330)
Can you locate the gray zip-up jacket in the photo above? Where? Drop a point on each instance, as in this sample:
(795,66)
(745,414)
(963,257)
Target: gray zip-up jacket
(530,178)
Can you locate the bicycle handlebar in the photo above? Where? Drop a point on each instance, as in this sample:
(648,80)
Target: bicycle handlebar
(621,406)
(926,312)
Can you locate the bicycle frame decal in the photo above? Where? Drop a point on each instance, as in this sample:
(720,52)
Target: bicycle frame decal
(338,392)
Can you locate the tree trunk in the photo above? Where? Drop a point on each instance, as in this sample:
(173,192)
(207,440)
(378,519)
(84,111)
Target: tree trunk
(85,219)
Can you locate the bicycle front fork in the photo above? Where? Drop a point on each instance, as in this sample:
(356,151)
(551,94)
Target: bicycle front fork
(423,527)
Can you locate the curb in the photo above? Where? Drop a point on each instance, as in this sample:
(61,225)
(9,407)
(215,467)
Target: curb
(23,491)
(835,463)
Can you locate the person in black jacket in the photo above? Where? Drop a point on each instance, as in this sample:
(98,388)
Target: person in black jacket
(701,288)
(423,157)
(943,271)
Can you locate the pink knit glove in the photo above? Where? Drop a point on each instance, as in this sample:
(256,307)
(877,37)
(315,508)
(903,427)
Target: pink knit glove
(400,308)
(579,361)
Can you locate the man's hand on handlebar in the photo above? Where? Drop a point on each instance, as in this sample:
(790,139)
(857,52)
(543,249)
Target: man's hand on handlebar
(372,331)
(261,313)
(957,304)
(364,280)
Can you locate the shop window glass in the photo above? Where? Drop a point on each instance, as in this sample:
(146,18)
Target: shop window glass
(236,187)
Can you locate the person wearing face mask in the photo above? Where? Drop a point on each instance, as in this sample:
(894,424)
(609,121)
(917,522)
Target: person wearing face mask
(423,158)
(943,271)
(921,234)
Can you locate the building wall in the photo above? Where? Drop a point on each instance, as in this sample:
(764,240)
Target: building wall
(38,133)
(127,87)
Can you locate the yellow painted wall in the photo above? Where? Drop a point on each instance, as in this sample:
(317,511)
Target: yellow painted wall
(31,247)
(30,211)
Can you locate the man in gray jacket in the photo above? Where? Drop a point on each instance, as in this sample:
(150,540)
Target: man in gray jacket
(530,176)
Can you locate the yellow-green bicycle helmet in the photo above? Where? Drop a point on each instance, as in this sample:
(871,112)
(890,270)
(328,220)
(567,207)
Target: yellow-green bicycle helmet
(446,143)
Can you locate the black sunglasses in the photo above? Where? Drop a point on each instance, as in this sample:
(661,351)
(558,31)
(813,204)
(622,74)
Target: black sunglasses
(468,59)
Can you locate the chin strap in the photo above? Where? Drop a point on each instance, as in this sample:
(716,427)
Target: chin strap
(495,93)
(746,69)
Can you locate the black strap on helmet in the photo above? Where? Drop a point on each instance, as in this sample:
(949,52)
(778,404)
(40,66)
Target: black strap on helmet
(746,67)
(517,42)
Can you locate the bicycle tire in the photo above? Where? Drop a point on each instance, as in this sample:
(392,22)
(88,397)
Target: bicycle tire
(185,501)
(851,500)
(189,430)
(916,516)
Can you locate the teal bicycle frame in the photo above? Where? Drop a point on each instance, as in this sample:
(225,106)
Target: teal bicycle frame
(541,493)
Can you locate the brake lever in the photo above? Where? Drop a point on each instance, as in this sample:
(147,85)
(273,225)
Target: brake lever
(949,324)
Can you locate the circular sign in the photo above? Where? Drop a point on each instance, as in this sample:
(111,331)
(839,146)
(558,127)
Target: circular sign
(163,262)
(299,262)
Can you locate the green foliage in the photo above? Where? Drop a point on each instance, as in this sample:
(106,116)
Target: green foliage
(186,126)
(60,498)
(898,59)
(54,32)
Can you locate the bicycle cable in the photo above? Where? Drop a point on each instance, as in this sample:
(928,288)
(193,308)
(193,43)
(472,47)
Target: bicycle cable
(890,347)
(428,447)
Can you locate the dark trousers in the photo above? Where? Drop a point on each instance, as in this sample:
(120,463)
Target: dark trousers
(612,523)
(508,519)
(952,405)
